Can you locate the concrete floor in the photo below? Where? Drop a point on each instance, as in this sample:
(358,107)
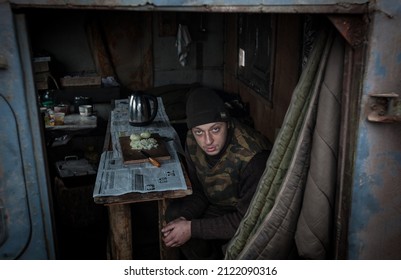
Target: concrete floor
(89,242)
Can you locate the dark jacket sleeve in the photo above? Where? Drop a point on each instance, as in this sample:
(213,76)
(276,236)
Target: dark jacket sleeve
(225,226)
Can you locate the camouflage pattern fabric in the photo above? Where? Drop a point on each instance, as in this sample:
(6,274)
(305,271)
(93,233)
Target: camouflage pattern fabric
(220,182)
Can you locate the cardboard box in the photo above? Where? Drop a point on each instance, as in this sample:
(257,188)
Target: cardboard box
(41,66)
(41,85)
(81,81)
(43,79)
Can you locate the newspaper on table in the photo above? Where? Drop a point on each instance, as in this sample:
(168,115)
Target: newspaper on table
(116,178)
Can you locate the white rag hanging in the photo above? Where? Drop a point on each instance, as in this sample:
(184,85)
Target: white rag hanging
(183,43)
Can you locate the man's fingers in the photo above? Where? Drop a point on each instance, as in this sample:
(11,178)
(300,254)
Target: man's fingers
(167,230)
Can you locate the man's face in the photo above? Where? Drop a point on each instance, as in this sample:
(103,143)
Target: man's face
(211,137)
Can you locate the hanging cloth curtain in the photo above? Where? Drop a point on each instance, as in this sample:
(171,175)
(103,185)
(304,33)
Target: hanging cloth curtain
(122,48)
(268,228)
(314,233)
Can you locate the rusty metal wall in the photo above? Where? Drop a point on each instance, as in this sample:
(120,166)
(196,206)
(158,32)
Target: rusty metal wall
(276,6)
(375,218)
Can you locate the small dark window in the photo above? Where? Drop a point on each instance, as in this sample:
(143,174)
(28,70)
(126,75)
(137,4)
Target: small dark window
(256,52)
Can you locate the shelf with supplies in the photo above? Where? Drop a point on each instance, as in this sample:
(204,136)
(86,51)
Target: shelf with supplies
(75,122)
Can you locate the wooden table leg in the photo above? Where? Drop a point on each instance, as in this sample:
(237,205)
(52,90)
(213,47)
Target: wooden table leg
(165,253)
(120,231)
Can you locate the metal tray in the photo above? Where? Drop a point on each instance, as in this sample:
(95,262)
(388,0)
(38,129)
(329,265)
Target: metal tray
(71,166)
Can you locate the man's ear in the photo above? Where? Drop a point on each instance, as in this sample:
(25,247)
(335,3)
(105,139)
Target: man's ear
(229,124)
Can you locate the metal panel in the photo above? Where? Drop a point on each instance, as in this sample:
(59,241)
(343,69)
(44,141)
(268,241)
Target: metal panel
(178,3)
(26,231)
(287,6)
(17,229)
(375,220)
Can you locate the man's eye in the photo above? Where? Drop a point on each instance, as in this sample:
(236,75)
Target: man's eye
(215,129)
(198,132)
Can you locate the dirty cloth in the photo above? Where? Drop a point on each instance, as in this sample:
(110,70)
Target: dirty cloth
(183,43)
(269,227)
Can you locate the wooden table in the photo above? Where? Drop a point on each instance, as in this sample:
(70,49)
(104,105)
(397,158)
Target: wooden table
(119,212)
(120,220)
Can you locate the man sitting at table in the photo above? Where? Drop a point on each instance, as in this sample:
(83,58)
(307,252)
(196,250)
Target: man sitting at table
(225,161)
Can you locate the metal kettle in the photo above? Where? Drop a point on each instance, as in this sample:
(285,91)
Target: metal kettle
(140,111)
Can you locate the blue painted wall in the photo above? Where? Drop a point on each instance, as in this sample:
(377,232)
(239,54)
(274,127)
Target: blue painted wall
(375,220)
(27,231)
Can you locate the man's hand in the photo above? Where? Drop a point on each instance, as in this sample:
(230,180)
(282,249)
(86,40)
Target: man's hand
(177,232)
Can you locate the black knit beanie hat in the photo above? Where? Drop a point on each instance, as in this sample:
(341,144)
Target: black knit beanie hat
(205,106)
